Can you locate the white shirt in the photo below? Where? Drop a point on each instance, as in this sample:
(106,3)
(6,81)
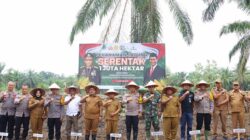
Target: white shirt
(73,106)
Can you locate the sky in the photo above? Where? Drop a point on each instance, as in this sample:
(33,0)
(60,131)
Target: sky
(34,35)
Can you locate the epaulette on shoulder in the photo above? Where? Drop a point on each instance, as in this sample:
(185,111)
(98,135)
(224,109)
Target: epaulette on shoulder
(82,67)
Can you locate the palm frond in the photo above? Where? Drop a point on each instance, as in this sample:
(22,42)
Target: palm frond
(242,43)
(86,17)
(111,20)
(121,21)
(209,12)
(241,66)
(182,20)
(239,27)
(154,22)
(244,5)
(106,7)
(140,20)
(149,23)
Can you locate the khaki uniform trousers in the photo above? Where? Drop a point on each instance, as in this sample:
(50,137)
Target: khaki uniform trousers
(71,120)
(222,116)
(36,125)
(111,126)
(91,125)
(170,126)
(238,117)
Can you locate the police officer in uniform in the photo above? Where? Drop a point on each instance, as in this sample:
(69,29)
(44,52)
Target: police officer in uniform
(90,71)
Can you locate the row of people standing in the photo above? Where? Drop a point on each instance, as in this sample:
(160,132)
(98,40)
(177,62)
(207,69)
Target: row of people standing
(212,105)
(22,108)
(207,105)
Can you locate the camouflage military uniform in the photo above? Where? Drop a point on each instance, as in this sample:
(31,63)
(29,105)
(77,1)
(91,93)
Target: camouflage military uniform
(151,112)
(92,73)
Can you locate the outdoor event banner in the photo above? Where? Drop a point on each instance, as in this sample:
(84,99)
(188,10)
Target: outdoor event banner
(117,64)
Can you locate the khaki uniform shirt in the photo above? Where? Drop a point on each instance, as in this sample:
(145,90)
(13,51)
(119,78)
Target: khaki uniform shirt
(8,106)
(236,99)
(22,105)
(172,107)
(111,108)
(220,99)
(92,107)
(36,110)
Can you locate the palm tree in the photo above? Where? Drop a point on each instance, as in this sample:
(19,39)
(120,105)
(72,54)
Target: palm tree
(145,19)
(241,28)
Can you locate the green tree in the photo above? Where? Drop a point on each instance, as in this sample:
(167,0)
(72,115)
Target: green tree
(145,19)
(241,28)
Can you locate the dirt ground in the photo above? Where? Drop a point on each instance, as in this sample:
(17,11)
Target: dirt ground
(122,129)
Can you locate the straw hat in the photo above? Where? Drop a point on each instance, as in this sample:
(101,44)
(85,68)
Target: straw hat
(187,82)
(33,91)
(202,82)
(169,88)
(151,84)
(92,85)
(236,83)
(132,84)
(54,86)
(72,87)
(111,91)
(218,81)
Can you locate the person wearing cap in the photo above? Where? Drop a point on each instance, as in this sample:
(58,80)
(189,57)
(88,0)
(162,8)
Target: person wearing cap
(133,109)
(187,103)
(236,101)
(154,72)
(89,70)
(22,115)
(92,110)
(112,108)
(37,111)
(55,112)
(7,113)
(152,105)
(221,99)
(204,107)
(72,100)
(171,112)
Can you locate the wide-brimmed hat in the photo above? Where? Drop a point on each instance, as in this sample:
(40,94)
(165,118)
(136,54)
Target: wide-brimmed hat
(54,86)
(202,82)
(92,85)
(151,84)
(33,91)
(218,81)
(72,87)
(111,91)
(187,82)
(169,88)
(236,83)
(132,84)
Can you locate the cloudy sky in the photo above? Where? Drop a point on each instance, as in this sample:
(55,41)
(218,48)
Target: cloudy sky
(35,35)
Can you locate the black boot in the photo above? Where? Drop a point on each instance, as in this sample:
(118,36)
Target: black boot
(135,134)
(107,137)
(128,136)
(86,137)
(93,137)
